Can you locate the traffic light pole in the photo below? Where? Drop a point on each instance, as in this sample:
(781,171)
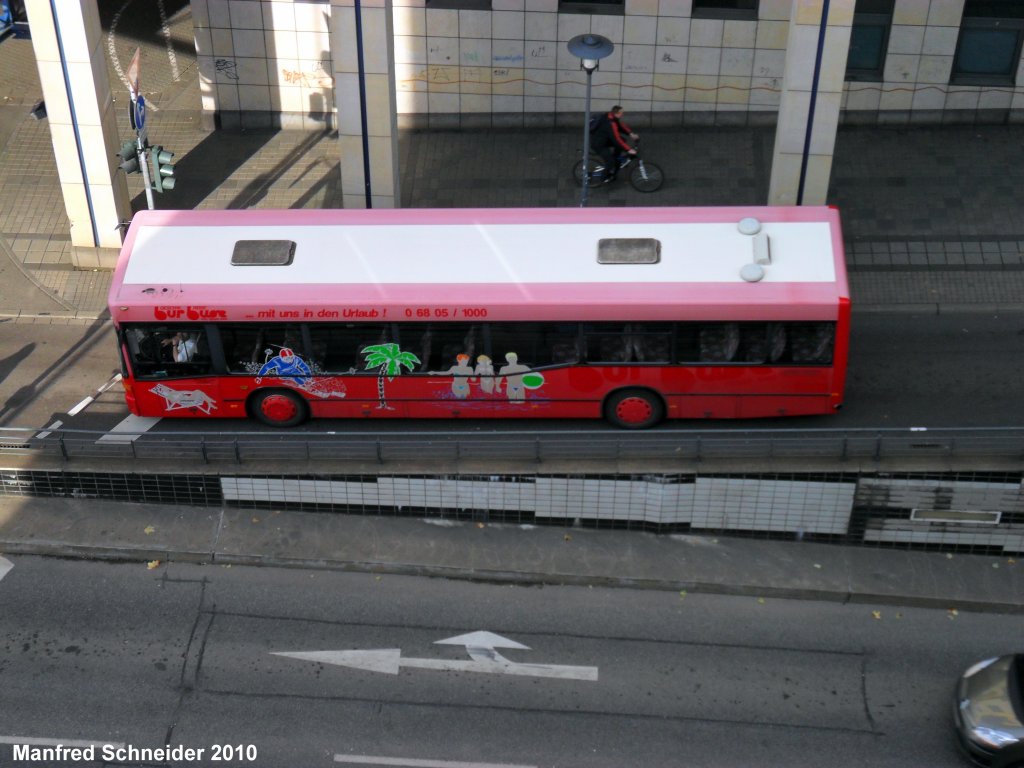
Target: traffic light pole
(144,167)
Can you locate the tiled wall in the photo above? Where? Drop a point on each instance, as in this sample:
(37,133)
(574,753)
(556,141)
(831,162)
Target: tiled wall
(264,63)
(922,45)
(514,60)
(510,64)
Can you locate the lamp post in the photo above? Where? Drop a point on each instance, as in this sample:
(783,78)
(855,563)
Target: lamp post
(591,49)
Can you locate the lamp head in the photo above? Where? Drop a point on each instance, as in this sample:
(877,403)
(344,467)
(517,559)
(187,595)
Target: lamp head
(590,49)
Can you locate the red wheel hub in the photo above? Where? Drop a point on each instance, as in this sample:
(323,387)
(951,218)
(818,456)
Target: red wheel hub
(634,410)
(278,407)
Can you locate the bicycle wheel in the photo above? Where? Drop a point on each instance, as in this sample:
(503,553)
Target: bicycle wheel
(646,177)
(595,171)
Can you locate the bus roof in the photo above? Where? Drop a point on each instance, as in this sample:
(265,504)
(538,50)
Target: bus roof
(539,264)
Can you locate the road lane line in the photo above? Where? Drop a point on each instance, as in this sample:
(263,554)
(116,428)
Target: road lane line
(130,430)
(5,566)
(73,743)
(49,430)
(85,403)
(414,763)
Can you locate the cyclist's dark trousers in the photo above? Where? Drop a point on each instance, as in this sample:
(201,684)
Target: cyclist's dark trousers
(609,158)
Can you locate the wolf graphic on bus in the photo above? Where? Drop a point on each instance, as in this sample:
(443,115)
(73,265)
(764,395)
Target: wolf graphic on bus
(177,399)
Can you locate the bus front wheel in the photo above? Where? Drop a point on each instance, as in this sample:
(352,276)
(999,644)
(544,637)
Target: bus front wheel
(279,408)
(634,409)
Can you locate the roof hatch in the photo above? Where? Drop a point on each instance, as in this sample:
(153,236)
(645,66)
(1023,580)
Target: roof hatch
(263,253)
(628,250)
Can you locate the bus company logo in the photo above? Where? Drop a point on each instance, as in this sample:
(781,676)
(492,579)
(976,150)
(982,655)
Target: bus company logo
(189,313)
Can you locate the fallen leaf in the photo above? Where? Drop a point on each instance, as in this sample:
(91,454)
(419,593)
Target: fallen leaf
(1011,561)
(255,519)
(760,600)
(899,615)
(877,614)
(153,564)
(148,529)
(995,565)
(376,578)
(567,537)
(817,565)
(952,613)
(479,525)
(682,594)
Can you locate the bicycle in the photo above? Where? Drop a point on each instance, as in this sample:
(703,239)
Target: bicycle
(644,176)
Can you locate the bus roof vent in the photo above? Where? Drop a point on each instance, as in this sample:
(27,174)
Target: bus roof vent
(628,250)
(263,253)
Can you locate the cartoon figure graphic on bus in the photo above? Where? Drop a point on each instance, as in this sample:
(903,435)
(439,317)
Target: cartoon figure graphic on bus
(460,373)
(285,364)
(485,374)
(296,372)
(180,399)
(518,378)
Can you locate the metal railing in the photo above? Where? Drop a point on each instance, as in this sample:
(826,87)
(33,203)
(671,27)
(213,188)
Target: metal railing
(670,444)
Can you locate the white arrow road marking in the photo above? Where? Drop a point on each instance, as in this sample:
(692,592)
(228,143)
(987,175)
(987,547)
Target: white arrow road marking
(479,645)
(415,763)
(5,566)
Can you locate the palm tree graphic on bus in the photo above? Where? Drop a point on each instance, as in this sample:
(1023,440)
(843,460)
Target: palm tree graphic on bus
(389,359)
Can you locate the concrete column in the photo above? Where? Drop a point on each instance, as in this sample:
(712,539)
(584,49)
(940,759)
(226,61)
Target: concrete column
(67,40)
(366,96)
(795,158)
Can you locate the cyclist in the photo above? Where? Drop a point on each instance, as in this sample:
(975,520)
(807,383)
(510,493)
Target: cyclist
(609,140)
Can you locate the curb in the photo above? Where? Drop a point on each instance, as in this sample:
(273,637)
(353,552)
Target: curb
(529,578)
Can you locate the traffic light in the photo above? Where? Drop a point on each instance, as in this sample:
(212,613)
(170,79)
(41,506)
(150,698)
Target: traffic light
(163,170)
(129,155)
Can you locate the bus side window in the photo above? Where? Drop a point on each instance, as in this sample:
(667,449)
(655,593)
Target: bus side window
(338,348)
(169,352)
(754,343)
(560,345)
(812,342)
(651,342)
(776,341)
(608,343)
(719,342)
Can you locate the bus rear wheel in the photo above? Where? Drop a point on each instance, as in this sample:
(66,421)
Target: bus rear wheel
(279,408)
(634,409)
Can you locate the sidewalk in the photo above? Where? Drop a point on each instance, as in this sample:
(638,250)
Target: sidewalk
(509,553)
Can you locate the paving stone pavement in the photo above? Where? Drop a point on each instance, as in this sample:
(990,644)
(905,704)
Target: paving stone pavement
(933,215)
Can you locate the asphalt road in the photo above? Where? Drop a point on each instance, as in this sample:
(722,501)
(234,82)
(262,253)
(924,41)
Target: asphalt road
(954,370)
(185,655)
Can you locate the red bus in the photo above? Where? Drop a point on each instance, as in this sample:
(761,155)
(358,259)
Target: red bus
(632,314)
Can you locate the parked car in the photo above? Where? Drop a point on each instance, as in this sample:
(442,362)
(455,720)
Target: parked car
(989,711)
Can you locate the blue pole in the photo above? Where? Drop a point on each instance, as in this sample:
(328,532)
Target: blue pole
(362,103)
(814,98)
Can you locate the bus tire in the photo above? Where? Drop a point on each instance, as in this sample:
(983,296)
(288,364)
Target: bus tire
(279,408)
(634,409)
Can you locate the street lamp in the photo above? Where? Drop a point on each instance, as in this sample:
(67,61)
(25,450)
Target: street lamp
(591,49)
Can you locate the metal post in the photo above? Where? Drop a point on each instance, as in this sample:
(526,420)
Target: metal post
(586,144)
(591,49)
(144,166)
